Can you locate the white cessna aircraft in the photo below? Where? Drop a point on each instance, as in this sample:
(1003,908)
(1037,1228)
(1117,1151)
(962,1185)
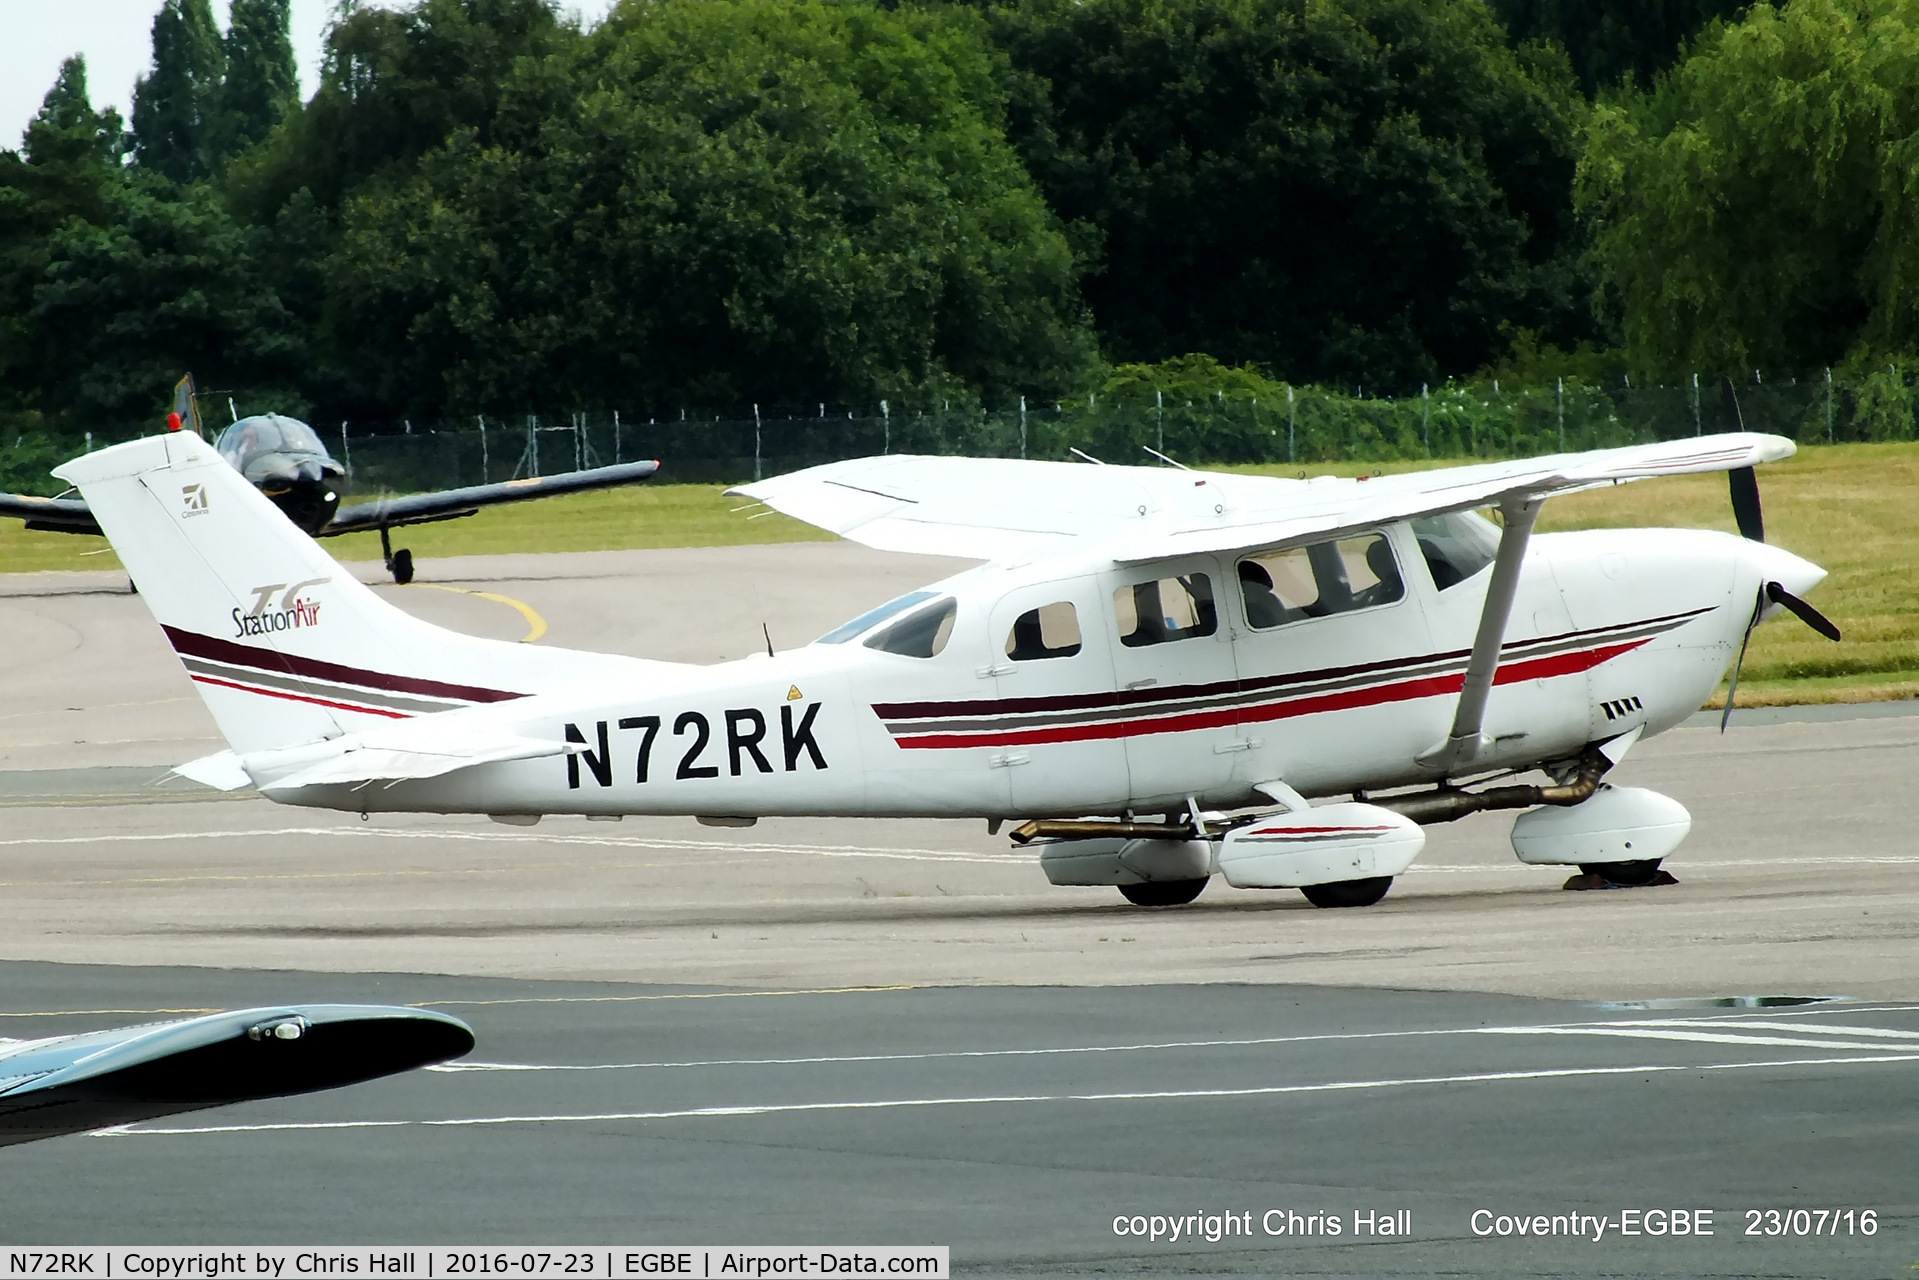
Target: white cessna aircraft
(1155,668)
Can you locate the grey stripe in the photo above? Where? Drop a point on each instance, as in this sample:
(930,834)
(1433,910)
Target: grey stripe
(989,722)
(313,688)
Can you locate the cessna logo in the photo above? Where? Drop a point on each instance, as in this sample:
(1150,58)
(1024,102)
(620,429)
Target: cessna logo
(295,610)
(195,498)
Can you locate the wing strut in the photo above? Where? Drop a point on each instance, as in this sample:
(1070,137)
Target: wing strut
(1465,743)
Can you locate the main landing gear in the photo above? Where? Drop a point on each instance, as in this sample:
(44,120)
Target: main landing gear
(1348,893)
(398,563)
(1163,893)
(1642,874)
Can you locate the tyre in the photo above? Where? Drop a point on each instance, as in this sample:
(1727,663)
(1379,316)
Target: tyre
(403,566)
(1348,893)
(1632,874)
(1163,893)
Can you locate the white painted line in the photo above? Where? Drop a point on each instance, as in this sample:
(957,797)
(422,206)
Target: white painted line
(765,1109)
(1006,858)
(489,837)
(1697,1037)
(1809,1037)
(1757,1024)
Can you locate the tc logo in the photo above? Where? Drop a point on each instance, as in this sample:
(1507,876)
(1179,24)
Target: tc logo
(195,498)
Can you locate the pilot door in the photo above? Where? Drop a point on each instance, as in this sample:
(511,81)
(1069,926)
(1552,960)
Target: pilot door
(1176,685)
(1052,672)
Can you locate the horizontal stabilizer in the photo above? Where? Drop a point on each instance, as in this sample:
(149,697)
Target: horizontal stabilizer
(366,760)
(222,771)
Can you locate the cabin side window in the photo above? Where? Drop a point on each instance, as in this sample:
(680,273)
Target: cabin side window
(919,635)
(1324,578)
(1456,546)
(1165,609)
(1048,632)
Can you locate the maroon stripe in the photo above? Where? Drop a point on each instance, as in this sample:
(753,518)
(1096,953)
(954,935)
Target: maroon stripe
(1172,693)
(241,655)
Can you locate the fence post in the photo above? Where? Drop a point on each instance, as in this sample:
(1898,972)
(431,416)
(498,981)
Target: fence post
(1159,414)
(1561,399)
(1696,429)
(886,428)
(533,441)
(616,437)
(1828,404)
(1022,426)
(1292,422)
(483,457)
(346,451)
(756,440)
(1425,420)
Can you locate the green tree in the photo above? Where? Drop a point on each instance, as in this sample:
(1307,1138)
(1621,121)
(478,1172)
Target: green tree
(1347,190)
(1614,41)
(1757,208)
(66,169)
(167,283)
(717,202)
(174,103)
(394,85)
(262,85)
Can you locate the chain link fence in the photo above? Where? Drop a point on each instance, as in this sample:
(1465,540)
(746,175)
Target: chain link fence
(1299,426)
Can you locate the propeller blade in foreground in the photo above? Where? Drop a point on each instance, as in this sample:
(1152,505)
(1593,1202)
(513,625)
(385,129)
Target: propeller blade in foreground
(1804,612)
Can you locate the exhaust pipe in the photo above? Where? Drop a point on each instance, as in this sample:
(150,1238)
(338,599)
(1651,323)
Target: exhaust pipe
(1094,829)
(1448,804)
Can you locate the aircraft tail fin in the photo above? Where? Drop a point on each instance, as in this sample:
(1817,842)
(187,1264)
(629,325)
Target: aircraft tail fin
(284,644)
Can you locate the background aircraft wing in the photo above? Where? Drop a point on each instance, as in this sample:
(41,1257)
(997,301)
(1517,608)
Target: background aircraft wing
(53,515)
(71,1084)
(450,504)
(999,508)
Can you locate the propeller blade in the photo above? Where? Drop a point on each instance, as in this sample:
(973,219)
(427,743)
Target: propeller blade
(1804,612)
(1732,689)
(1745,503)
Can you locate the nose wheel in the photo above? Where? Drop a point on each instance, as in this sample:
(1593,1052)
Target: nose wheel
(398,563)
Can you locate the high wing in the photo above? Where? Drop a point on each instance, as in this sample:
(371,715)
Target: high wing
(70,1084)
(451,504)
(49,515)
(1002,509)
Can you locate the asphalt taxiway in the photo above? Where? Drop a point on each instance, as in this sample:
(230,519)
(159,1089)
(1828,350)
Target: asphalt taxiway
(892,1032)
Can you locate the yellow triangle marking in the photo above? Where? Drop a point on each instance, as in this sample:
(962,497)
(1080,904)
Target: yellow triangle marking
(793,693)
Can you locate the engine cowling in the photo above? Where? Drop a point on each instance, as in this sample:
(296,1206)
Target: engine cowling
(1616,824)
(1321,845)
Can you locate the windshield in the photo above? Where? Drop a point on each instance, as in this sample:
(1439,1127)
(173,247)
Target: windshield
(267,433)
(872,617)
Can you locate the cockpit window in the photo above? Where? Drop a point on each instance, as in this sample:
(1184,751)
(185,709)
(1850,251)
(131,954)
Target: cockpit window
(873,617)
(1325,578)
(267,433)
(1456,546)
(1048,632)
(919,635)
(1165,609)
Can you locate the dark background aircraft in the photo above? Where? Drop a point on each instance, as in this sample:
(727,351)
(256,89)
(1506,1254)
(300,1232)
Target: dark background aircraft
(285,460)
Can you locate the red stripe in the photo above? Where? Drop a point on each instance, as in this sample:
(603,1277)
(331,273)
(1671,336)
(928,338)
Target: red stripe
(241,655)
(1309,831)
(1345,700)
(296,697)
